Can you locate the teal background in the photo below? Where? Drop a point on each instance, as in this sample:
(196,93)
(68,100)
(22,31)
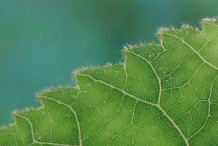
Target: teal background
(43,41)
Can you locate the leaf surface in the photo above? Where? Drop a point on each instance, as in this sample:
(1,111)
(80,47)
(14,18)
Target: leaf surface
(161,95)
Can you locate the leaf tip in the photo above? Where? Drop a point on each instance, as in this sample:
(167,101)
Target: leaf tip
(128,47)
(5,127)
(162,30)
(40,94)
(27,109)
(109,64)
(187,26)
(76,72)
(209,20)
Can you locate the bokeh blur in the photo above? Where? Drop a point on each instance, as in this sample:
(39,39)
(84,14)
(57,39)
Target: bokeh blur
(43,41)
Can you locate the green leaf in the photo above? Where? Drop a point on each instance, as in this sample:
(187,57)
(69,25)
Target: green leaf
(163,94)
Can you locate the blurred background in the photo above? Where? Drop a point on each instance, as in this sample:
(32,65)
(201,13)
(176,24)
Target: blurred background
(43,41)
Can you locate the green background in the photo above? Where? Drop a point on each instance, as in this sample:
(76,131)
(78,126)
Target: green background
(43,41)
